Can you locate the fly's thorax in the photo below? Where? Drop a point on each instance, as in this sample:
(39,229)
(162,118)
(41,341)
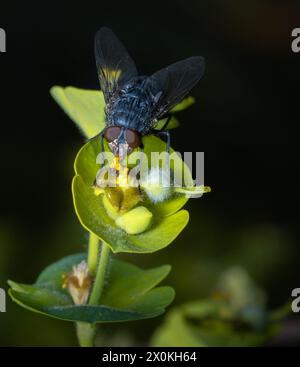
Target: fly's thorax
(133,107)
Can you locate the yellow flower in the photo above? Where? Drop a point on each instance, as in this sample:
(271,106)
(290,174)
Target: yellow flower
(122,194)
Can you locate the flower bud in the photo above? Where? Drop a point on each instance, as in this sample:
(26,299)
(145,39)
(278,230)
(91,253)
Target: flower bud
(78,282)
(135,221)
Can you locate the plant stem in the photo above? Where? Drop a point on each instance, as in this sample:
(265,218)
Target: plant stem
(93,253)
(86,332)
(100,275)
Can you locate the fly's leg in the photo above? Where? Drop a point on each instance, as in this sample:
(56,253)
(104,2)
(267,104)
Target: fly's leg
(141,158)
(164,132)
(102,150)
(101,135)
(165,125)
(167,135)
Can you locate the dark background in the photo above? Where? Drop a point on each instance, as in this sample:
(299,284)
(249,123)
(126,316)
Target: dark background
(246,120)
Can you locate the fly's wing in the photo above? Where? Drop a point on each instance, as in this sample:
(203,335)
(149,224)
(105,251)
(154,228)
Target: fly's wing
(114,65)
(174,82)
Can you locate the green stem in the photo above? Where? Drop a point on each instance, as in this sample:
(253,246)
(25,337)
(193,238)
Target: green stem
(100,275)
(93,253)
(86,332)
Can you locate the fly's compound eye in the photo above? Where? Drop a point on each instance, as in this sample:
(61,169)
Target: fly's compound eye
(112,133)
(133,138)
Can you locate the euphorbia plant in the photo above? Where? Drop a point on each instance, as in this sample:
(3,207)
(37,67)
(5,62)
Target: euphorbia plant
(80,288)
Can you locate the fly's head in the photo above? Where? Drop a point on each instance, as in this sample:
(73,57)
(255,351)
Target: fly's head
(122,140)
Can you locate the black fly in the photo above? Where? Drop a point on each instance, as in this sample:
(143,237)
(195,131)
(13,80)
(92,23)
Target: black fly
(134,103)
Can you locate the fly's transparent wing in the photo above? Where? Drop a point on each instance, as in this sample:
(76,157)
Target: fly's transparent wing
(114,65)
(175,82)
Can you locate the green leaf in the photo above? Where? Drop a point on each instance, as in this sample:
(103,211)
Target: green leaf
(84,107)
(174,332)
(39,296)
(187,102)
(209,322)
(51,276)
(129,283)
(129,293)
(172,124)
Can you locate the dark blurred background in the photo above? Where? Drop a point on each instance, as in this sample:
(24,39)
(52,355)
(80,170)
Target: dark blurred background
(246,120)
